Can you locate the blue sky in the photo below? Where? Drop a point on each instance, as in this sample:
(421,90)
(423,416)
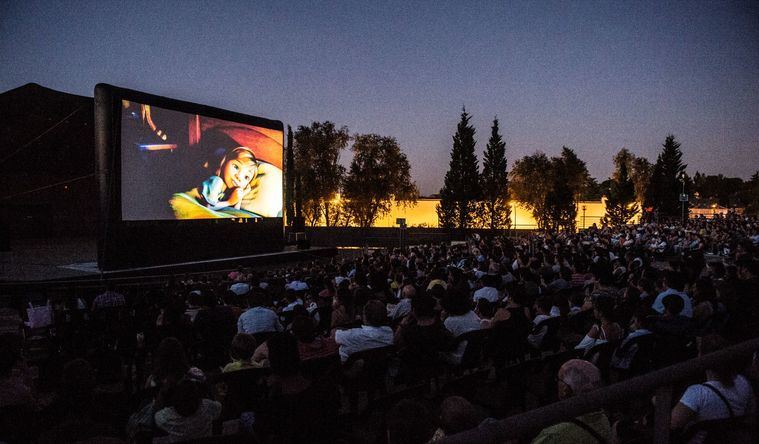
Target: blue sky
(595,76)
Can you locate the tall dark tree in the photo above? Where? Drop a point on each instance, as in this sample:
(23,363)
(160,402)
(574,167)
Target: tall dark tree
(289,177)
(317,155)
(576,172)
(494,182)
(461,189)
(560,204)
(666,185)
(620,202)
(378,177)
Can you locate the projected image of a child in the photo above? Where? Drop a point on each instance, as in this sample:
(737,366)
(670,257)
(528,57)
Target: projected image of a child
(233,179)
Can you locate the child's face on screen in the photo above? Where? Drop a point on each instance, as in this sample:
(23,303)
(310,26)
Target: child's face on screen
(238,172)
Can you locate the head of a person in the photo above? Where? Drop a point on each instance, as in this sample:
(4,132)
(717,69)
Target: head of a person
(458,415)
(408,292)
(238,167)
(603,308)
(674,280)
(186,398)
(375,313)
(643,318)
(673,305)
(303,329)
(284,359)
(243,346)
(409,422)
(725,371)
(170,359)
(423,307)
(543,305)
(577,376)
(485,308)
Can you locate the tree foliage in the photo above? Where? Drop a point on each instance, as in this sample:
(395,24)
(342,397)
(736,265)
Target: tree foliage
(576,172)
(289,177)
(379,174)
(665,186)
(639,171)
(317,155)
(461,188)
(494,182)
(620,202)
(530,183)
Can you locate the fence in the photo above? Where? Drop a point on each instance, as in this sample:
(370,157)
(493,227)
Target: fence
(660,382)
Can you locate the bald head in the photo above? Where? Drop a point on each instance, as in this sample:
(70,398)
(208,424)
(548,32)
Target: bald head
(580,376)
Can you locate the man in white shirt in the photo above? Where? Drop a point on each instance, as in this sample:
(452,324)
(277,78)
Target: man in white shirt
(258,319)
(673,282)
(488,290)
(403,307)
(372,334)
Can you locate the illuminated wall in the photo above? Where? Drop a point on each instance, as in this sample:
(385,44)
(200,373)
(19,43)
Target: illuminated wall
(424,214)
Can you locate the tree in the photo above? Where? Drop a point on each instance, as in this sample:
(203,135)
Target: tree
(461,189)
(576,172)
(620,202)
(317,155)
(560,206)
(638,170)
(494,183)
(379,175)
(530,183)
(665,185)
(289,177)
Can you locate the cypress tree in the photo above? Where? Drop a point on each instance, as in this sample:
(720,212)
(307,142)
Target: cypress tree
(290,177)
(494,182)
(620,204)
(665,185)
(461,188)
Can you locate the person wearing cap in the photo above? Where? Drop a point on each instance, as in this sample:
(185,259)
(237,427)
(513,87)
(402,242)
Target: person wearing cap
(576,377)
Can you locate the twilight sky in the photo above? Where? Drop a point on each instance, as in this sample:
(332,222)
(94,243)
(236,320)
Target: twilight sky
(595,76)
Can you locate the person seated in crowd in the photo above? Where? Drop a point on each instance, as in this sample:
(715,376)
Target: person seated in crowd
(403,307)
(542,309)
(725,395)
(75,409)
(488,291)
(242,350)
(672,322)
(258,318)
(342,307)
(292,298)
(674,284)
(188,415)
(605,329)
(576,377)
(16,388)
(458,415)
(373,333)
(420,337)
(409,422)
(110,298)
(485,310)
(170,365)
(460,319)
(310,345)
(640,325)
(194,302)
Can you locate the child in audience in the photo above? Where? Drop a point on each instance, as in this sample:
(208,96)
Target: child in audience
(242,350)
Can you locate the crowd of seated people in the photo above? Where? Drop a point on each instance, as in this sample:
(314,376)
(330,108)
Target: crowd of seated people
(169,363)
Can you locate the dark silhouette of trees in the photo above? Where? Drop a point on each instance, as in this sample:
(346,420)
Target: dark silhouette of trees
(494,183)
(289,177)
(665,186)
(620,201)
(317,155)
(461,188)
(379,175)
(530,183)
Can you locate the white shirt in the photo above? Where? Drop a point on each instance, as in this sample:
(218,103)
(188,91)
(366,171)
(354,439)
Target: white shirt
(401,309)
(258,320)
(489,293)
(458,325)
(708,405)
(363,338)
(658,305)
